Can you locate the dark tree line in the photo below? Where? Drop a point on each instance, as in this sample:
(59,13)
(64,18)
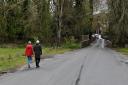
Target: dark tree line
(47,20)
(55,20)
(118,22)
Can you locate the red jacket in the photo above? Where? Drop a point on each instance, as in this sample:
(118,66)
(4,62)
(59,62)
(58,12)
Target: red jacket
(29,50)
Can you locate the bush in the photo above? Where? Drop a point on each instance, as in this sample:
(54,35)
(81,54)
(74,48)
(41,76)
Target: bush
(71,43)
(85,43)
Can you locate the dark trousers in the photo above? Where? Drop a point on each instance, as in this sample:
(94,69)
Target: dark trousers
(37,60)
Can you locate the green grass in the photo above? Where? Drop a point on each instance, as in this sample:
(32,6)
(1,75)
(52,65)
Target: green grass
(53,51)
(11,58)
(123,50)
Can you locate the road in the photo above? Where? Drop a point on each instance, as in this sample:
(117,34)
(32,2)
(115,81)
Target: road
(88,66)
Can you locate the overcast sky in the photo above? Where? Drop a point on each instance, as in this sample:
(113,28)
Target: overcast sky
(102,6)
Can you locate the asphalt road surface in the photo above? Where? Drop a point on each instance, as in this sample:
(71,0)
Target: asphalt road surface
(89,66)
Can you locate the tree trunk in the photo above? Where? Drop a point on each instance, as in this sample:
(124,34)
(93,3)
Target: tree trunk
(60,11)
(91,12)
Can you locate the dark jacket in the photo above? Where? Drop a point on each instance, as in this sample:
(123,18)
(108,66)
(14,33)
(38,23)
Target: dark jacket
(37,50)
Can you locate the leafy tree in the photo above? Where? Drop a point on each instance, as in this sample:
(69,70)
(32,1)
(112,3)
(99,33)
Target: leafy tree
(118,19)
(44,19)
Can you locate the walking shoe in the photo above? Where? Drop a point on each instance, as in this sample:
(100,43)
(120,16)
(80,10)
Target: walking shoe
(37,66)
(29,66)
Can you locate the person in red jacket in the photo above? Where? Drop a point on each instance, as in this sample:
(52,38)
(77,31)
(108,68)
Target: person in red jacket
(29,53)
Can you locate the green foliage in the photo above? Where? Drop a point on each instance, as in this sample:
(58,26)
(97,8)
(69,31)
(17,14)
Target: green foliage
(118,19)
(123,50)
(53,51)
(21,20)
(11,58)
(75,18)
(82,14)
(71,43)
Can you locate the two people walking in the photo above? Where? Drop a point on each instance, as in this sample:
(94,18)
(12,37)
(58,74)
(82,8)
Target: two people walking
(35,50)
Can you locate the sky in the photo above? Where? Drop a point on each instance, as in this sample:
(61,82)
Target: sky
(103,6)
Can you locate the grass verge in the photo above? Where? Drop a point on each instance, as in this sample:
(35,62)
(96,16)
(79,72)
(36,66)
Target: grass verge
(123,50)
(12,58)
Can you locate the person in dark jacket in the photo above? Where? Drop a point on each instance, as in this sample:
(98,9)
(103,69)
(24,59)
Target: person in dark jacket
(38,52)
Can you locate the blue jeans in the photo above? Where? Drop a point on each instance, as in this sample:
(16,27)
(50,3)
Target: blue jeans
(29,59)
